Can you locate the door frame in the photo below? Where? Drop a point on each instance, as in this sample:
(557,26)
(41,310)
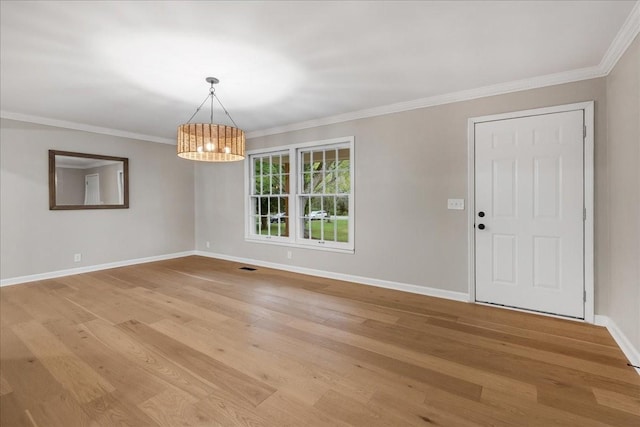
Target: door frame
(588,183)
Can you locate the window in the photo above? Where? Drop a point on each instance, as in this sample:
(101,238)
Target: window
(323,196)
(270,194)
(302,195)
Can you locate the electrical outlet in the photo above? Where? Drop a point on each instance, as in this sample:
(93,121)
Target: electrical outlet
(455,204)
(208,244)
(77,257)
(289,254)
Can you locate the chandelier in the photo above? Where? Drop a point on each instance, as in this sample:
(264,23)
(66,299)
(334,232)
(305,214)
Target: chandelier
(211,142)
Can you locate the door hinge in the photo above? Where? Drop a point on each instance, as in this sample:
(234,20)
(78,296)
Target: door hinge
(584,214)
(584,296)
(584,131)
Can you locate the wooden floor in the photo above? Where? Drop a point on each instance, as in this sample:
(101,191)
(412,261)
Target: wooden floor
(198,342)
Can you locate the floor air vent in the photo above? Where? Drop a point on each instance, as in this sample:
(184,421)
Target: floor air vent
(248,268)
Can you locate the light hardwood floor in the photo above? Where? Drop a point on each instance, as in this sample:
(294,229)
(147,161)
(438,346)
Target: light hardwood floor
(198,342)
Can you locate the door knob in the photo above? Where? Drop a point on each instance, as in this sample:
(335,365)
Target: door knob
(481,226)
(481,214)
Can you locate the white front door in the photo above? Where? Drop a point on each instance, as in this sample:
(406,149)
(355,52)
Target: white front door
(529,213)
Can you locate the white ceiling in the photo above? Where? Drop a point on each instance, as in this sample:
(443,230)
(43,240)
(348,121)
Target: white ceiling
(140,66)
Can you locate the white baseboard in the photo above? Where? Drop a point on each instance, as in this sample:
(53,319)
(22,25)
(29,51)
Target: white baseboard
(89,268)
(405,287)
(621,339)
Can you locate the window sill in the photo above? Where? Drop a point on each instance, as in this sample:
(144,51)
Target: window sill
(314,247)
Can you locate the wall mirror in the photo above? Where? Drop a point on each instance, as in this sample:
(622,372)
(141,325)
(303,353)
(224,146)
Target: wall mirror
(87,181)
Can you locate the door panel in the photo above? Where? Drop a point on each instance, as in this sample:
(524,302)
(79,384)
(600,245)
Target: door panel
(529,184)
(547,187)
(505,183)
(504,258)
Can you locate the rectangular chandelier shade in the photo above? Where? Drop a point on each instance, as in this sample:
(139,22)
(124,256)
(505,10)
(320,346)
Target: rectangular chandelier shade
(210,142)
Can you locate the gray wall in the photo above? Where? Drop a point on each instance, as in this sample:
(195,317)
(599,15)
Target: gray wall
(35,240)
(407,165)
(623,134)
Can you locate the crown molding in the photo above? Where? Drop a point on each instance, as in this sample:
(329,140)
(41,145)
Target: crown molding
(623,39)
(83,127)
(465,95)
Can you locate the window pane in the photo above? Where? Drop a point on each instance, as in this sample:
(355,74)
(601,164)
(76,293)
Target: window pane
(342,206)
(315,229)
(265,166)
(313,232)
(316,185)
(330,160)
(277,229)
(266,185)
(343,182)
(328,205)
(305,206)
(316,204)
(343,157)
(306,161)
(330,182)
(258,205)
(273,205)
(283,184)
(329,230)
(306,179)
(276,184)
(282,217)
(284,175)
(342,229)
(264,225)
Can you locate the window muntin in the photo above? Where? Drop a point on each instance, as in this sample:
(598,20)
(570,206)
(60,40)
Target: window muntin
(302,195)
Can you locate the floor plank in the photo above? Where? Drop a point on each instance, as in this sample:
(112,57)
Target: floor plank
(77,377)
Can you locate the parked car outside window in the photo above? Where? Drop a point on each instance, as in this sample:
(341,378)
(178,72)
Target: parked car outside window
(317,214)
(279,217)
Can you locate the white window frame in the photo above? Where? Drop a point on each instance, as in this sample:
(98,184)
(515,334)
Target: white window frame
(295,238)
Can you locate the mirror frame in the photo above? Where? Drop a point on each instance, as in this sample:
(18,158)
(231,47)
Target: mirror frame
(52,180)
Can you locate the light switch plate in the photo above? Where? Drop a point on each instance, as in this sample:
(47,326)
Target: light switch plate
(455,204)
